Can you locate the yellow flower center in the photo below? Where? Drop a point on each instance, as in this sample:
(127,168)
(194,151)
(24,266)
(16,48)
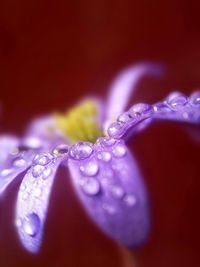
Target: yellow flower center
(80,123)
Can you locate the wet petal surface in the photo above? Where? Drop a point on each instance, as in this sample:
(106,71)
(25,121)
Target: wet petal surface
(112,191)
(33,198)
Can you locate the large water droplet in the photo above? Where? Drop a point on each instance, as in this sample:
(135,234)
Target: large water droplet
(81,150)
(104,156)
(90,186)
(90,168)
(123,118)
(176,100)
(140,109)
(31,224)
(119,151)
(37,170)
(195,98)
(161,107)
(60,150)
(114,128)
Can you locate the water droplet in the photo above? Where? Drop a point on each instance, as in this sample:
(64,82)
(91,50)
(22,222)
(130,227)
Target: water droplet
(60,150)
(140,109)
(31,224)
(90,168)
(176,100)
(19,162)
(123,118)
(46,173)
(37,170)
(81,150)
(161,107)
(6,172)
(25,195)
(90,186)
(117,191)
(114,129)
(119,151)
(109,208)
(104,156)
(42,159)
(195,98)
(107,141)
(37,192)
(130,200)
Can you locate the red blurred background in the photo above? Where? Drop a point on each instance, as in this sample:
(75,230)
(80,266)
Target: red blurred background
(54,52)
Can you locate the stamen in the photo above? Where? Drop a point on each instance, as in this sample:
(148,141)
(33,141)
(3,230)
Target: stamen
(80,123)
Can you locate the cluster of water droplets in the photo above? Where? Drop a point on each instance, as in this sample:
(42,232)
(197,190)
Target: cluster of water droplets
(97,172)
(176,106)
(35,189)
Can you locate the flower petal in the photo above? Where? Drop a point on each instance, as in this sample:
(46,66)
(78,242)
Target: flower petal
(13,166)
(8,144)
(112,191)
(33,198)
(124,85)
(176,107)
(42,133)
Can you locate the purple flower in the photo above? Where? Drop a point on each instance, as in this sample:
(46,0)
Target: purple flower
(91,142)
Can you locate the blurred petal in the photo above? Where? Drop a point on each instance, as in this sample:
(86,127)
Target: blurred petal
(124,85)
(176,107)
(42,133)
(33,198)
(8,144)
(13,166)
(112,190)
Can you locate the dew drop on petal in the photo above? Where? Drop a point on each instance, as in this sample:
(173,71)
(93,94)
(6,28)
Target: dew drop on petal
(42,159)
(90,168)
(104,156)
(6,172)
(46,173)
(119,151)
(114,128)
(90,186)
(81,150)
(37,170)
(130,200)
(195,98)
(60,150)
(37,192)
(123,118)
(19,162)
(176,100)
(117,191)
(109,208)
(31,224)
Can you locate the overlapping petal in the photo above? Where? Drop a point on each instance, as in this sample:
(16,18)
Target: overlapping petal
(111,188)
(13,166)
(33,198)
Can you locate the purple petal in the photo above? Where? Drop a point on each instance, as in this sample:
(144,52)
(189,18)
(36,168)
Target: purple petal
(176,107)
(124,85)
(33,198)
(12,167)
(112,191)
(8,144)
